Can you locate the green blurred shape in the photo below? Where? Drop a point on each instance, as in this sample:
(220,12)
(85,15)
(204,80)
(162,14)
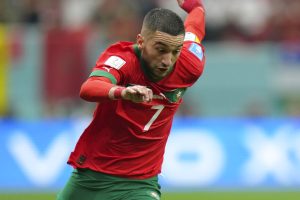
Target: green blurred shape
(242,195)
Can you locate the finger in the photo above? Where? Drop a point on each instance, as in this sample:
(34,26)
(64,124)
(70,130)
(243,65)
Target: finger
(135,89)
(142,90)
(145,96)
(150,94)
(138,98)
(132,90)
(141,93)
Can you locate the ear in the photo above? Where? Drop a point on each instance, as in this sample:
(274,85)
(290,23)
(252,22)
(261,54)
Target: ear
(140,41)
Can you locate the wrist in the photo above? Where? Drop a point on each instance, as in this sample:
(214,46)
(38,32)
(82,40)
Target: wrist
(118,92)
(115,93)
(189,5)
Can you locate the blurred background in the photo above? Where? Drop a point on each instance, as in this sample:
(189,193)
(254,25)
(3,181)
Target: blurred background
(240,121)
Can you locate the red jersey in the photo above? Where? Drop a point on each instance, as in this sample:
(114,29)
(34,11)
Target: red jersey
(128,139)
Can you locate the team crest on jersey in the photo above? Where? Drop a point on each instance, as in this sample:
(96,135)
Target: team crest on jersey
(175,95)
(115,62)
(196,50)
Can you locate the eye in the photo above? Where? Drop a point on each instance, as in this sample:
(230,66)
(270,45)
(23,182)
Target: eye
(177,51)
(161,50)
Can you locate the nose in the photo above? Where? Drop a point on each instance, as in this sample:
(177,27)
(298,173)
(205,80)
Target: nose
(167,59)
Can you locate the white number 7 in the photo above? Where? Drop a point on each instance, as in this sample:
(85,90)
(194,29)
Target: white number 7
(159,108)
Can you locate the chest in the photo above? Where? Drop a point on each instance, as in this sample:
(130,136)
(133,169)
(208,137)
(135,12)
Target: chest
(162,90)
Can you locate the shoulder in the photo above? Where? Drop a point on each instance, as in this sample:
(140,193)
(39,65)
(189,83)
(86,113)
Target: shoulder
(123,50)
(120,47)
(117,55)
(193,53)
(191,60)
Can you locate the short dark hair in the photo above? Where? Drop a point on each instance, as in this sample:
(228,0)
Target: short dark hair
(164,20)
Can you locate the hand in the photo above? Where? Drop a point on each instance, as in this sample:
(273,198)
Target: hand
(189,5)
(137,94)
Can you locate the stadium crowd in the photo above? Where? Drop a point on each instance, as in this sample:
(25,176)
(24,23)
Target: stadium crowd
(248,20)
(76,31)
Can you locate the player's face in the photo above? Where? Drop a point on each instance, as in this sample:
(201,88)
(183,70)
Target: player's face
(160,51)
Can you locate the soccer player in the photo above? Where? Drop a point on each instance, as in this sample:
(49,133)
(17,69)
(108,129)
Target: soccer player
(138,88)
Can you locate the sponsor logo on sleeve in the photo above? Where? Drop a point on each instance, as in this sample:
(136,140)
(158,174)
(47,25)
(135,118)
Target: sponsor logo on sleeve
(196,50)
(115,62)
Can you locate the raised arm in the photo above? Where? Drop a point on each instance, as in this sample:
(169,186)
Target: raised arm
(195,21)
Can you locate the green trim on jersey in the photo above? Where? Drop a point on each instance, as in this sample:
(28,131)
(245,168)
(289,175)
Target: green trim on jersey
(137,51)
(88,184)
(104,74)
(175,95)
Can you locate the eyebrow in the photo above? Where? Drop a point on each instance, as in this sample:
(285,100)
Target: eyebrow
(161,43)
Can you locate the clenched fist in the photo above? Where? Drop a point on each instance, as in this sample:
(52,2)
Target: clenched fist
(137,94)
